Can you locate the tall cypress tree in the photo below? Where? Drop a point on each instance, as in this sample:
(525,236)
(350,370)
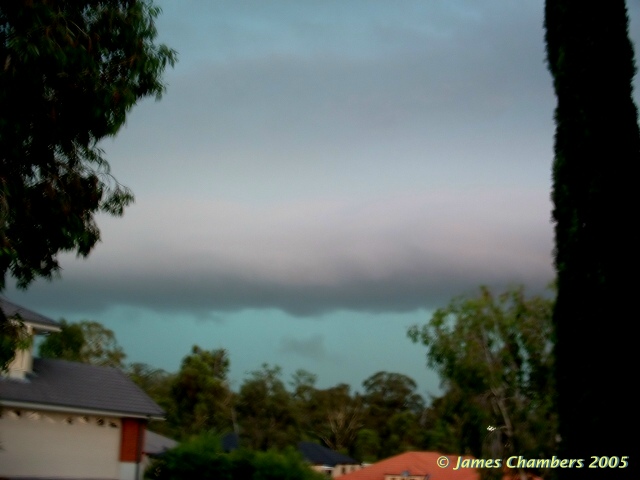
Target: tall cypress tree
(597,246)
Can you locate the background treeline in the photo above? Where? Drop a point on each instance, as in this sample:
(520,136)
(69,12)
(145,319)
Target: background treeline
(267,410)
(492,352)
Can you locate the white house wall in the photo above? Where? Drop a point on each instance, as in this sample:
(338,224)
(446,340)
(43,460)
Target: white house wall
(39,444)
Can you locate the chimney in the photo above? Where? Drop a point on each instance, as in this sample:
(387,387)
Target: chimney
(22,363)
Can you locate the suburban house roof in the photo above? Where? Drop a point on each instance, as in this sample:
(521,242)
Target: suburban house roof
(413,464)
(423,465)
(230,442)
(156,444)
(320,455)
(78,387)
(11,310)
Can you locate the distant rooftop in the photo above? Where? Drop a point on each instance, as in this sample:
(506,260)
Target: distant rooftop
(156,444)
(320,455)
(11,310)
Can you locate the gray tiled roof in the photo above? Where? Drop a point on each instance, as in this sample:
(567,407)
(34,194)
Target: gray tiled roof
(10,310)
(156,444)
(62,384)
(321,455)
(312,452)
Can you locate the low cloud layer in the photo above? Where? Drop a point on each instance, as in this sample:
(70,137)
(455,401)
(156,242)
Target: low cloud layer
(395,254)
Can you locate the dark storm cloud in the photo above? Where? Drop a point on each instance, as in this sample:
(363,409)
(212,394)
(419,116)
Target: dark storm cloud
(384,257)
(310,164)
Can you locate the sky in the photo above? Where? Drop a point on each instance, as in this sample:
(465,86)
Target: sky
(319,176)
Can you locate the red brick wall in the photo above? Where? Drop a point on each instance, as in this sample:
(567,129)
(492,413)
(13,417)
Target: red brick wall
(132,436)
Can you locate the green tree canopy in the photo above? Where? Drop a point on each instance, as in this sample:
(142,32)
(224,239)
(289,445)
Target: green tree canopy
(70,71)
(154,381)
(65,344)
(266,413)
(392,408)
(303,384)
(201,457)
(201,395)
(86,341)
(13,336)
(332,415)
(453,423)
(494,355)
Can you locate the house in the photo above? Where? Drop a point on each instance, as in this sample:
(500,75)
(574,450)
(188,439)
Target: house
(68,420)
(327,461)
(425,466)
(155,445)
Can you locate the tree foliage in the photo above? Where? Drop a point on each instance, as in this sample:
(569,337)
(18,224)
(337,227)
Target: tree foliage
(200,394)
(393,409)
(265,411)
(87,342)
(65,344)
(70,71)
(597,148)
(332,415)
(13,336)
(494,355)
(367,445)
(197,457)
(202,457)
(453,423)
(69,74)
(156,382)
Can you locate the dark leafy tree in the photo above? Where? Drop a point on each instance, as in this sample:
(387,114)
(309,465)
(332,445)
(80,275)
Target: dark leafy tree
(287,464)
(265,411)
(70,71)
(13,336)
(597,148)
(332,415)
(454,423)
(201,396)
(154,381)
(392,408)
(65,344)
(201,457)
(303,384)
(494,356)
(86,341)
(367,445)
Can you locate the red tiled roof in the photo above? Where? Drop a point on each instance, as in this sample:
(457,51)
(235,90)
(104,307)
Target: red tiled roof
(415,463)
(421,464)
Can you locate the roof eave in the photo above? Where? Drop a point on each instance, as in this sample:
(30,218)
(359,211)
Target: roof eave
(41,327)
(79,410)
